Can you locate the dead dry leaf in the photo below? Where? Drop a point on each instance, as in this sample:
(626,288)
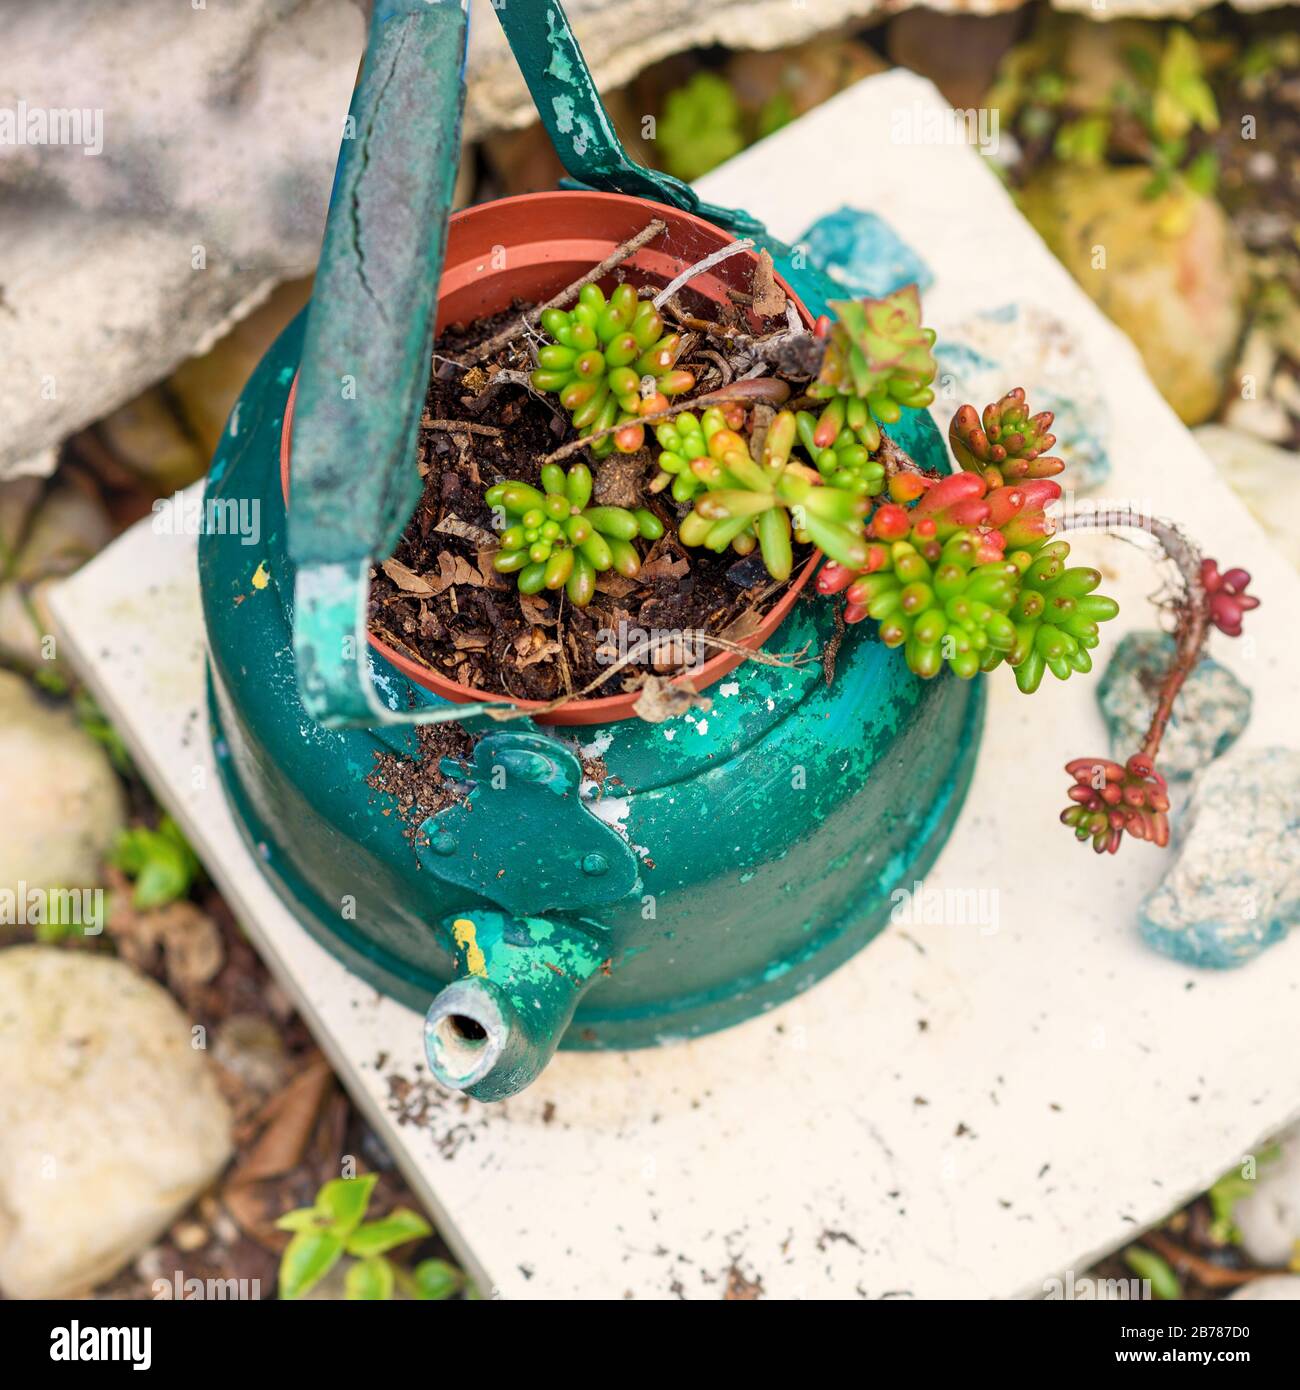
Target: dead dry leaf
(743,626)
(536,611)
(452,525)
(406,579)
(659,700)
(666,566)
(534,646)
(455,569)
(769,297)
(492,579)
(287,1119)
(615,584)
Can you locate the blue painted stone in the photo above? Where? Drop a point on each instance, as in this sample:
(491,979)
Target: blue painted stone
(1209,715)
(1235,887)
(863,253)
(984,356)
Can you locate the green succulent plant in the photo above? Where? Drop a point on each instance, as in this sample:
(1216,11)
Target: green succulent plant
(683,440)
(845,462)
(877,361)
(335,1227)
(1056,615)
(602,351)
(949,607)
(744,503)
(1006,443)
(942,583)
(557,540)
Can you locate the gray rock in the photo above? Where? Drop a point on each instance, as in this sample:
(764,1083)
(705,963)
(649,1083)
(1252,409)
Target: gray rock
(1209,715)
(1272,1289)
(1234,888)
(110,1118)
(1268,1217)
(63,803)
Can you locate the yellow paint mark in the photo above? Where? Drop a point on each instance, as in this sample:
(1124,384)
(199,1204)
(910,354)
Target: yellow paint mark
(463,930)
(261,576)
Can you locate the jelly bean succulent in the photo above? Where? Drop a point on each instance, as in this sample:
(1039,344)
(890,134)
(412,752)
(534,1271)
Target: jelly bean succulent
(1110,799)
(683,440)
(966,578)
(1228,601)
(745,502)
(845,462)
(557,540)
(604,350)
(1007,443)
(877,360)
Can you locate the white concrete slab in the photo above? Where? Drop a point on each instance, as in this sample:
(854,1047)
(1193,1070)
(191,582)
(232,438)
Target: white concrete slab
(959,1111)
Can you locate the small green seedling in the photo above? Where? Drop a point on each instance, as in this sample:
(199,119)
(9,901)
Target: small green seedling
(160,861)
(334,1227)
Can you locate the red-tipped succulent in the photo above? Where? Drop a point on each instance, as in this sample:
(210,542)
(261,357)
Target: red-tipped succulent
(1227,597)
(1006,444)
(1110,799)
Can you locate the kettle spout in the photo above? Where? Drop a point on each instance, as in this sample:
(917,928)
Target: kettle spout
(491,1031)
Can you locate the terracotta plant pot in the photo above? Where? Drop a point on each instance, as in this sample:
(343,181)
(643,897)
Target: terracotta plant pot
(528,248)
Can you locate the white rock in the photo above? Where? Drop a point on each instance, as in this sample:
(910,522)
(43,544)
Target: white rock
(50,533)
(110,1120)
(62,801)
(1272,1289)
(1268,1217)
(620,37)
(1266,478)
(220,128)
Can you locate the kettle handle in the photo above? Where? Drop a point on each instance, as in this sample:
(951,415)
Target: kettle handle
(367,345)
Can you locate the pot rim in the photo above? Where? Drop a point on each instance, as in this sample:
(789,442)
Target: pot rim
(604,708)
